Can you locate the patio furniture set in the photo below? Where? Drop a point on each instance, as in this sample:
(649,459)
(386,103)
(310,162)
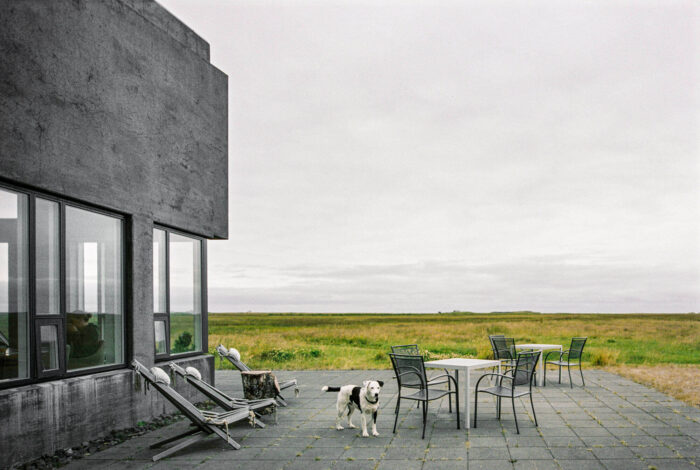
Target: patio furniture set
(514,379)
(516,369)
(203,422)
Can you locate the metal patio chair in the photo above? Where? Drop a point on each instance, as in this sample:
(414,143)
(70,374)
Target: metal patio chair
(219,397)
(504,350)
(203,422)
(521,375)
(410,374)
(413,350)
(573,358)
(236,361)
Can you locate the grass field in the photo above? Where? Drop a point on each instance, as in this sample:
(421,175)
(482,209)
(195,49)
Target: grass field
(362,341)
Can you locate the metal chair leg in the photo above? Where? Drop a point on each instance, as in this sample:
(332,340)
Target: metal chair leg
(459,422)
(515,417)
(559,373)
(571,384)
(476,402)
(398,406)
(425,416)
(581,371)
(533,409)
(449,395)
(544,377)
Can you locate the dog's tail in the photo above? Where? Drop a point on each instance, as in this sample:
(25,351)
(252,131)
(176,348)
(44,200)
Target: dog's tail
(326,388)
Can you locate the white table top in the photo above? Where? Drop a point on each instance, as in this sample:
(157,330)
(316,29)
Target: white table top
(538,346)
(459,363)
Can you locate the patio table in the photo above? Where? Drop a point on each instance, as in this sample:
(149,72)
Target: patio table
(466,365)
(541,348)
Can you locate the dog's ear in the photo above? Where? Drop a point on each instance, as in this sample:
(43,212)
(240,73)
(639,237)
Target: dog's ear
(365,383)
(381,384)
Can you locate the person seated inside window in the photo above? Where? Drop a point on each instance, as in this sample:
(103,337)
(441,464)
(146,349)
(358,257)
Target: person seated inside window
(83,336)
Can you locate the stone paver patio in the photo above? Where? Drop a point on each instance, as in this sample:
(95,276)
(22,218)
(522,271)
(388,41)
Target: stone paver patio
(612,423)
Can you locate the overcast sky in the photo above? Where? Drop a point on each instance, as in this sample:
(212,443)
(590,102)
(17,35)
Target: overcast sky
(481,156)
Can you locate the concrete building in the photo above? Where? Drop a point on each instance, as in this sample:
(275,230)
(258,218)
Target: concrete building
(113,175)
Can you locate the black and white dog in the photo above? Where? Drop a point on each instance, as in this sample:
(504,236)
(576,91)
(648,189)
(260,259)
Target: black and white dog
(365,399)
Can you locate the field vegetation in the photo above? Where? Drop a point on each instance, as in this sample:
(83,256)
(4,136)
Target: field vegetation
(362,341)
(662,351)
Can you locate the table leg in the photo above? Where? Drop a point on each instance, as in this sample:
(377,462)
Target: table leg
(540,379)
(467,421)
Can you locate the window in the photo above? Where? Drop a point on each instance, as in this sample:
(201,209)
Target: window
(14,292)
(61,281)
(177,292)
(93,289)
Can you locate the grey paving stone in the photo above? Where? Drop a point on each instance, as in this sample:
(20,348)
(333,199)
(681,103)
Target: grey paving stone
(364,453)
(612,453)
(536,465)
(626,464)
(571,453)
(490,464)
(653,452)
(488,453)
(399,465)
(580,465)
(670,464)
(530,453)
(445,465)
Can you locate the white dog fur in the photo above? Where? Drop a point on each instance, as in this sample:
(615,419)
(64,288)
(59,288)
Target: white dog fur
(365,399)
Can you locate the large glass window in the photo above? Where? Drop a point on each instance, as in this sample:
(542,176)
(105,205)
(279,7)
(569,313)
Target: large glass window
(47,258)
(93,289)
(61,288)
(177,292)
(14,296)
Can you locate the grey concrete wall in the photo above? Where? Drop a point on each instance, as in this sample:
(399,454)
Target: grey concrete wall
(114,103)
(56,415)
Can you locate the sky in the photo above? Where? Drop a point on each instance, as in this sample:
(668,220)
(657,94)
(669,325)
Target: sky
(480,156)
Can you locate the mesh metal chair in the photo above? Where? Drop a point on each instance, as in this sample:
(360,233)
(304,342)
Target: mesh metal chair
(493,346)
(413,350)
(520,376)
(410,373)
(504,351)
(573,358)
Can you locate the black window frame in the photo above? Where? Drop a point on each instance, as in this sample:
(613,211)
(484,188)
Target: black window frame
(160,316)
(36,375)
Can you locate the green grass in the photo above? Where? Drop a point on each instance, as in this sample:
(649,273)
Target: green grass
(360,341)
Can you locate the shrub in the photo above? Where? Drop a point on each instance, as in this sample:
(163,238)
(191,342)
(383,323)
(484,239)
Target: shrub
(277,355)
(604,357)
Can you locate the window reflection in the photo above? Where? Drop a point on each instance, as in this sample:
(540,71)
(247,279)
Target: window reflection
(14,331)
(46,263)
(93,289)
(185,294)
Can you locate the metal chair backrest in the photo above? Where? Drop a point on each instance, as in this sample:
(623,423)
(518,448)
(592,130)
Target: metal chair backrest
(406,349)
(576,348)
(525,368)
(502,347)
(409,370)
(493,346)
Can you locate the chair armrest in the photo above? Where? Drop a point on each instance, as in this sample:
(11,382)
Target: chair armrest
(411,372)
(546,356)
(502,376)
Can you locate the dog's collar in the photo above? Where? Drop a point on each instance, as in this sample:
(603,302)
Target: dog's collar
(372,402)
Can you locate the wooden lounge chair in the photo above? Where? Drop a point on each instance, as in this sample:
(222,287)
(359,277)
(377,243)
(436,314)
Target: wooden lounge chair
(204,422)
(236,361)
(219,397)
